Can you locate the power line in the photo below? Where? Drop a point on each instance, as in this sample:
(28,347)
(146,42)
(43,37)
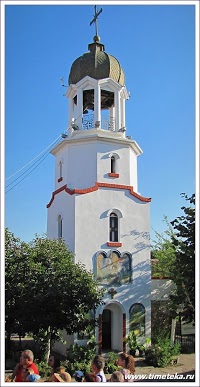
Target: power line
(25,171)
(33,159)
(38,163)
(27,174)
(53,143)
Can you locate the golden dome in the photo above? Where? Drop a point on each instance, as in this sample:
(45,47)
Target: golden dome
(96,64)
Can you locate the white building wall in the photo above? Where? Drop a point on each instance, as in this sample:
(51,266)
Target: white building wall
(82,170)
(92,225)
(79,165)
(86,218)
(87,159)
(61,347)
(63,157)
(117,324)
(133,171)
(63,204)
(126,164)
(91,215)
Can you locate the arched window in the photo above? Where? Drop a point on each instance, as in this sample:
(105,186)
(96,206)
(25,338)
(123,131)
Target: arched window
(113,227)
(137,319)
(60,226)
(113,165)
(60,169)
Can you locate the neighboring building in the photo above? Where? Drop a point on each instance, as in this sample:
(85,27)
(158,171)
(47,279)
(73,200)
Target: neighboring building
(96,206)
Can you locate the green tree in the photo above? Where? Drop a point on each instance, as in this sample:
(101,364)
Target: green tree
(184,264)
(53,292)
(163,253)
(16,270)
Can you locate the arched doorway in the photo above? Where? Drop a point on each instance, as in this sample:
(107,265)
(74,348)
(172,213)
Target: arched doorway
(112,329)
(106,329)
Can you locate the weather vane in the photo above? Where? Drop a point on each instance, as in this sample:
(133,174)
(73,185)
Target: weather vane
(96,14)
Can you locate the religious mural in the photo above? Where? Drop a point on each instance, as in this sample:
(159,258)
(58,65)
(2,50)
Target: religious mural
(114,269)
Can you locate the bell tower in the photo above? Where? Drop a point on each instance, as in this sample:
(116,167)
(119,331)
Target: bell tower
(97,93)
(96,207)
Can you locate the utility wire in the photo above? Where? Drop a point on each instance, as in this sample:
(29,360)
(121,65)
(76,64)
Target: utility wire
(27,174)
(38,163)
(53,143)
(33,159)
(26,171)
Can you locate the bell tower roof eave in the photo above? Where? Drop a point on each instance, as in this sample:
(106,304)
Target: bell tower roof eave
(82,136)
(94,81)
(91,82)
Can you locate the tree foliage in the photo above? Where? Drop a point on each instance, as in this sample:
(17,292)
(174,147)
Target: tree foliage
(45,290)
(174,254)
(16,277)
(163,253)
(184,264)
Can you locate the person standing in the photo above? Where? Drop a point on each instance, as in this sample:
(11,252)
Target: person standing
(54,363)
(26,361)
(127,363)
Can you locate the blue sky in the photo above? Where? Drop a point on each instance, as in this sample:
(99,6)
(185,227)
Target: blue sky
(155,45)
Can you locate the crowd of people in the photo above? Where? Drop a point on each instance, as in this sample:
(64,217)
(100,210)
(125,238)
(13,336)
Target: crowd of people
(26,370)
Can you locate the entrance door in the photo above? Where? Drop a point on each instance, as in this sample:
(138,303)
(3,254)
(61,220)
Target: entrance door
(106,329)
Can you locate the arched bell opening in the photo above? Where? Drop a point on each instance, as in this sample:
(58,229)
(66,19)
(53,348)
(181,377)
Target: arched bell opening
(97,110)
(88,109)
(107,110)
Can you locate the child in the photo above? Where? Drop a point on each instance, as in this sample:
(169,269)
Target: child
(91,378)
(62,377)
(29,375)
(78,375)
(97,367)
(117,376)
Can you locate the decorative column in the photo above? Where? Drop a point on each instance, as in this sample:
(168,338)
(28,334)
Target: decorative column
(97,106)
(70,111)
(112,118)
(124,332)
(117,111)
(123,122)
(79,113)
(100,335)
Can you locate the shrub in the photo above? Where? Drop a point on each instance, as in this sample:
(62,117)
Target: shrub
(160,354)
(176,349)
(79,357)
(83,366)
(44,369)
(131,340)
(111,363)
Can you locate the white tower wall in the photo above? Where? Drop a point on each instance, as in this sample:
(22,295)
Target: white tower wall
(105,221)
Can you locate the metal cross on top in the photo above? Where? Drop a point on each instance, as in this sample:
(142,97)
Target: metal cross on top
(96,14)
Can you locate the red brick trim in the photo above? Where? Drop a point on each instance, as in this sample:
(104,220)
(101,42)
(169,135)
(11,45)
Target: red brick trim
(95,188)
(113,174)
(124,332)
(54,194)
(114,244)
(100,335)
(60,179)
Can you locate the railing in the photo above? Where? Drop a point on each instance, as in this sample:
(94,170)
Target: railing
(107,123)
(88,121)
